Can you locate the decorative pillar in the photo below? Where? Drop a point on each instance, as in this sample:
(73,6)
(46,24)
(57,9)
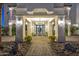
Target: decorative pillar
(68,8)
(29,31)
(56,28)
(19,29)
(10,21)
(49,29)
(10,28)
(28,28)
(24,34)
(61,29)
(53,28)
(69,28)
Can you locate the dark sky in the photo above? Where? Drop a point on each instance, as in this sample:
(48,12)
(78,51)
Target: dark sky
(31,6)
(3,18)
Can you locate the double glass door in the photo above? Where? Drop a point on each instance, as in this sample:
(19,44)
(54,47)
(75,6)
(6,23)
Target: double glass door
(40,30)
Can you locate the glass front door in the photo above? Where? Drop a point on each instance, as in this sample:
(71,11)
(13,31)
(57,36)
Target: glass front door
(40,30)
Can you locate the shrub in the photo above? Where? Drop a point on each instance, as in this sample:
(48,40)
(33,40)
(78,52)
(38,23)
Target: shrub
(13,30)
(28,39)
(52,38)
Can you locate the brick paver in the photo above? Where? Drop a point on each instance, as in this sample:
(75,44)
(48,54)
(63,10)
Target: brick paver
(40,47)
(8,38)
(72,38)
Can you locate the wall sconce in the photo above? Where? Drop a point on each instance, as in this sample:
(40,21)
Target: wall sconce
(11,8)
(69,23)
(68,8)
(61,22)
(18,21)
(10,23)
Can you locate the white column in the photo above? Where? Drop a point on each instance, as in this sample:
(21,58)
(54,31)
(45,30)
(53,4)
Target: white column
(61,28)
(19,29)
(10,21)
(29,29)
(56,28)
(49,29)
(10,28)
(24,29)
(69,27)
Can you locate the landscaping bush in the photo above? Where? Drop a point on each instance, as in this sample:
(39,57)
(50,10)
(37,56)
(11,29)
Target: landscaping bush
(52,38)
(13,30)
(73,29)
(28,39)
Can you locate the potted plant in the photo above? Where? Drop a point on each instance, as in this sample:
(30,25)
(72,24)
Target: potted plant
(28,39)
(52,38)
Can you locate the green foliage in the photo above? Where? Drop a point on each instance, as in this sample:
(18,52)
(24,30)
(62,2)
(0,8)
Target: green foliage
(4,31)
(66,30)
(13,29)
(28,39)
(52,38)
(73,29)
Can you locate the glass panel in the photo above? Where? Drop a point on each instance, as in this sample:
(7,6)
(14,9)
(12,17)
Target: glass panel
(40,29)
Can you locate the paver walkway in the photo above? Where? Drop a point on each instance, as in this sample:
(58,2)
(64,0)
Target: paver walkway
(8,38)
(39,47)
(72,38)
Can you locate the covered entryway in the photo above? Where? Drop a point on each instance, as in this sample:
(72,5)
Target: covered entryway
(40,21)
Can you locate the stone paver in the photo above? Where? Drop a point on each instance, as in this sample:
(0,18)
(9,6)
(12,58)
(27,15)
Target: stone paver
(39,47)
(72,38)
(8,38)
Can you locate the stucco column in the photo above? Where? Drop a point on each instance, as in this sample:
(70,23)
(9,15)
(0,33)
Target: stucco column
(10,29)
(24,29)
(53,28)
(61,28)
(56,28)
(69,28)
(49,29)
(29,29)
(19,29)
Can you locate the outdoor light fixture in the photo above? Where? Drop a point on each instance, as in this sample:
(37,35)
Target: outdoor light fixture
(61,22)
(68,8)
(18,21)
(69,23)
(11,8)
(10,23)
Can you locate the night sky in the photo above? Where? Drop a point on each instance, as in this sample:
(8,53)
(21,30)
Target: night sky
(3,17)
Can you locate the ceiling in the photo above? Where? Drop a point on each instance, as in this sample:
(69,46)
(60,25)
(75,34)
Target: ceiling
(40,19)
